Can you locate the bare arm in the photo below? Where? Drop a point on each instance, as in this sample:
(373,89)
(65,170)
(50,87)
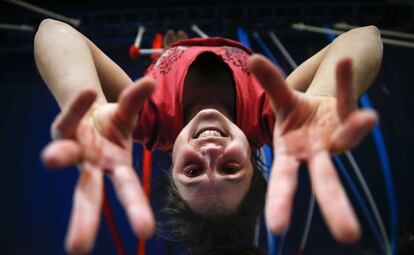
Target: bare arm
(302,76)
(69,63)
(99,139)
(363,46)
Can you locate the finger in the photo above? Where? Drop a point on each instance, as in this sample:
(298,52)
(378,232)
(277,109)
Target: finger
(281,189)
(134,200)
(344,91)
(332,198)
(182,35)
(66,123)
(131,101)
(87,203)
(169,38)
(61,153)
(353,130)
(273,82)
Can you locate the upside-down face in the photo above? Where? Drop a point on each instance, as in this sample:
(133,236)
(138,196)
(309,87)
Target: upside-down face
(212,168)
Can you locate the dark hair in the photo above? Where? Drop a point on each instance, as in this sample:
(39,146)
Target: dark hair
(176,221)
(232,249)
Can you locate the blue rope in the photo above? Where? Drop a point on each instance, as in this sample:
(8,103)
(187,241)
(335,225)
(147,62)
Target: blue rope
(272,240)
(386,170)
(385,167)
(360,201)
(341,165)
(243,37)
(267,51)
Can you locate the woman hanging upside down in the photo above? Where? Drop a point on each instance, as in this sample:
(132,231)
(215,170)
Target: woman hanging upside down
(212,104)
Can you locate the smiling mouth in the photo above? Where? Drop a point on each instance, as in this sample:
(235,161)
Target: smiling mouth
(209,132)
(210,123)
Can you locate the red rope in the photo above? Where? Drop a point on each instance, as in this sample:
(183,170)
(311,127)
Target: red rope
(146,185)
(146,182)
(147,155)
(111,224)
(156,44)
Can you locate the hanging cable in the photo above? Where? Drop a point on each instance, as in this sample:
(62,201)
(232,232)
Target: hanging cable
(157,45)
(311,206)
(370,199)
(266,156)
(385,168)
(275,243)
(243,37)
(283,50)
(355,167)
(111,224)
(308,223)
(146,186)
(282,244)
(147,155)
(267,51)
(360,201)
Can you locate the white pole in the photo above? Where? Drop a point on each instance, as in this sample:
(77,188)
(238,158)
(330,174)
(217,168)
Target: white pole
(34,8)
(382,31)
(198,31)
(282,49)
(150,51)
(301,26)
(16,27)
(138,39)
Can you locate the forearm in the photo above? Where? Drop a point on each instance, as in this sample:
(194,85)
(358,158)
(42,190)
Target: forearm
(364,47)
(69,63)
(113,79)
(302,76)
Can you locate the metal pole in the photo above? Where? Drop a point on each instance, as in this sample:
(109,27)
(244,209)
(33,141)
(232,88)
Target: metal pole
(34,8)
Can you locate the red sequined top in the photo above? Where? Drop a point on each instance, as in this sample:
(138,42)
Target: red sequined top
(161,118)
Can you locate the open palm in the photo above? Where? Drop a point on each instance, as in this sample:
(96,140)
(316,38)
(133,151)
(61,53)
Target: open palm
(99,139)
(308,129)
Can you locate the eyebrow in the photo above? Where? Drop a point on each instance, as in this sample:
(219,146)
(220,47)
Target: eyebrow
(189,183)
(235,180)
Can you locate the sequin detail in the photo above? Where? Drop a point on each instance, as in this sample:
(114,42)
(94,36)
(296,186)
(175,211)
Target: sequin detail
(167,59)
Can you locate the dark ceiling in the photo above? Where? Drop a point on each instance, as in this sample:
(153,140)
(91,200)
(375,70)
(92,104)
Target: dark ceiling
(113,21)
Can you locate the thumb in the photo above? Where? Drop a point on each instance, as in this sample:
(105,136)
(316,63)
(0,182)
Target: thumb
(273,82)
(131,101)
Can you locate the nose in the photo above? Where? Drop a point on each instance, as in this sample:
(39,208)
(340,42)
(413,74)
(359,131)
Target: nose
(211,151)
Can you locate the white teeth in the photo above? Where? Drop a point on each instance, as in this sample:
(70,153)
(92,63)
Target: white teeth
(207,133)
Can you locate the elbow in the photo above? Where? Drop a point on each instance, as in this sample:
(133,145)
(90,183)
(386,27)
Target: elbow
(51,24)
(369,37)
(47,23)
(367,30)
(370,34)
(48,33)
(370,30)
(49,29)
(374,35)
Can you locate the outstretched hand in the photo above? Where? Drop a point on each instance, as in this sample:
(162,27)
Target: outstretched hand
(99,139)
(309,129)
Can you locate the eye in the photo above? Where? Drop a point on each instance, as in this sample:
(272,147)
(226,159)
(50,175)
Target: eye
(193,171)
(229,169)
